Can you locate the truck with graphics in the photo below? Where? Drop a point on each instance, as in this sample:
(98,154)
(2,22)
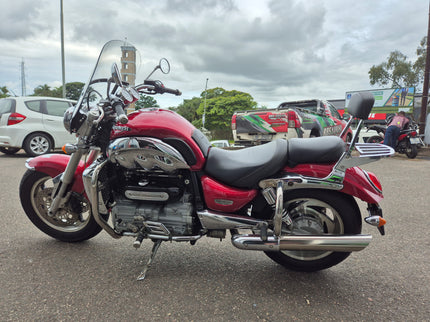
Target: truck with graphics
(297,119)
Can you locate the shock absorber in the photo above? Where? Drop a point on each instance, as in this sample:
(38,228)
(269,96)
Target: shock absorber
(276,201)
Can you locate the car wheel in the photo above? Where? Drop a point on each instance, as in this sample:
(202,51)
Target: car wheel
(37,144)
(9,151)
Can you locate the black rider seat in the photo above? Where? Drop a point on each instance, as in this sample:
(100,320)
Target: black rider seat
(246,167)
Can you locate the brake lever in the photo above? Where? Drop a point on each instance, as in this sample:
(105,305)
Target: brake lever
(146,89)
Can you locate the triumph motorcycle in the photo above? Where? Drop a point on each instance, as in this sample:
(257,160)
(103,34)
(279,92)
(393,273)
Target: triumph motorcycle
(153,175)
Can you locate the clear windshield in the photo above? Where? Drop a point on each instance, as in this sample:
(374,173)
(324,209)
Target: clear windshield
(125,56)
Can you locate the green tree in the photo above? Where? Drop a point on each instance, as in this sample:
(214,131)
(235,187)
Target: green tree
(146,101)
(4,92)
(420,63)
(45,90)
(398,70)
(188,109)
(73,90)
(220,106)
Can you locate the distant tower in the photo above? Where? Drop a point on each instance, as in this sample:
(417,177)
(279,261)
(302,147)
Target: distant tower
(128,64)
(128,68)
(23,91)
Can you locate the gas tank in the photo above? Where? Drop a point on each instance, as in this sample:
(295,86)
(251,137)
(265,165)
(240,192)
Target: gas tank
(169,127)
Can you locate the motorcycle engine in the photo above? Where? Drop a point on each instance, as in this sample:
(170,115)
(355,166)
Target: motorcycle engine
(146,183)
(147,200)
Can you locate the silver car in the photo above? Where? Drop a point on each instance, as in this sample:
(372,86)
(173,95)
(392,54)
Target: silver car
(34,124)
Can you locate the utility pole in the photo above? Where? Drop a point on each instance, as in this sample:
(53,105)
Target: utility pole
(424,101)
(23,91)
(204,110)
(62,49)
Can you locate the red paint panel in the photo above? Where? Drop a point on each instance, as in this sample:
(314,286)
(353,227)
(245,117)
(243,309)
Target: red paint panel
(223,198)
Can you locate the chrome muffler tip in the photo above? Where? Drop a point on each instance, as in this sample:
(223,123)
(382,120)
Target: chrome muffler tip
(342,243)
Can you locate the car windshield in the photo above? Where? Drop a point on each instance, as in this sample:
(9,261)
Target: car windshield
(126,58)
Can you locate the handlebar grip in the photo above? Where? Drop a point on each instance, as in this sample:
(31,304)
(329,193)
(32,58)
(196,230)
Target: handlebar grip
(176,92)
(121,116)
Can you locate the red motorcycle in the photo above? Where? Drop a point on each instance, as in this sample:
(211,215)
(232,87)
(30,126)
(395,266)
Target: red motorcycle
(154,175)
(407,142)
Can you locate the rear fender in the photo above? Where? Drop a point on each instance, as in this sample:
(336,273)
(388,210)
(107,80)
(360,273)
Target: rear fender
(357,182)
(54,165)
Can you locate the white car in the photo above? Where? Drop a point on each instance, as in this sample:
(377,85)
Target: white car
(220,143)
(34,124)
(365,134)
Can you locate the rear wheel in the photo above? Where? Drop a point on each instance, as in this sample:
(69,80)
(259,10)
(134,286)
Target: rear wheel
(317,212)
(411,150)
(348,138)
(375,139)
(9,151)
(72,223)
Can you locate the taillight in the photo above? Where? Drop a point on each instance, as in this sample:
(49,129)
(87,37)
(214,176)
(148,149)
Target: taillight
(373,180)
(293,119)
(15,118)
(413,133)
(233,122)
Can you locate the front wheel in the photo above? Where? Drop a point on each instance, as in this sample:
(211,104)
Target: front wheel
(72,223)
(317,212)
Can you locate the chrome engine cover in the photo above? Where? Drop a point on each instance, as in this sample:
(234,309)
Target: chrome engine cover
(145,152)
(132,216)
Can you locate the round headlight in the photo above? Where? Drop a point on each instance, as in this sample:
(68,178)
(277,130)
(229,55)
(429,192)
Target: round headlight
(67,119)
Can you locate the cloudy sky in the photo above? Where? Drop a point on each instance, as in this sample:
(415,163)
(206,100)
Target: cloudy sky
(275,50)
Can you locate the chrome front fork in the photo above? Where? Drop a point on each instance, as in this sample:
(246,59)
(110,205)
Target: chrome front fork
(61,193)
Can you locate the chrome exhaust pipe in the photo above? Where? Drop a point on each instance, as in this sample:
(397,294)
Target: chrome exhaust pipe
(342,243)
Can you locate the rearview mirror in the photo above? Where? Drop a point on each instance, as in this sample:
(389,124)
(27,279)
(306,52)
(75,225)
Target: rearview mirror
(164,66)
(116,74)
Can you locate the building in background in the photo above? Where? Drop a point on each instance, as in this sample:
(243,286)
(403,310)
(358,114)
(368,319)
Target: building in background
(128,68)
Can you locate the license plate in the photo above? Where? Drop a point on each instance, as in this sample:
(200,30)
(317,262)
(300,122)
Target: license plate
(262,137)
(415,140)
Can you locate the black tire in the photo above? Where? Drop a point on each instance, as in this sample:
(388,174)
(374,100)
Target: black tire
(37,144)
(73,223)
(342,216)
(375,139)
(9,151)
(411,150)
(314,134)
(348,138)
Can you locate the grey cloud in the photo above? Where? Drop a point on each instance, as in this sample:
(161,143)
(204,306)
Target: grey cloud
(17,22)
(291,47)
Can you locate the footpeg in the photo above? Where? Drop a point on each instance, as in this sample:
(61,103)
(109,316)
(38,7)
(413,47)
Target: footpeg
(138,241)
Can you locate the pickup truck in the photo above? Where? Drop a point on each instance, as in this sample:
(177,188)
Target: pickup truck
(298,119)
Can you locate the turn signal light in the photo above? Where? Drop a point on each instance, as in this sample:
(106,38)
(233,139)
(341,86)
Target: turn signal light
(69,148)
(377,221)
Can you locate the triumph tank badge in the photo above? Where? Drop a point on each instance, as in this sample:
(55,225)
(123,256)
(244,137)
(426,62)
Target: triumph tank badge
(120,128)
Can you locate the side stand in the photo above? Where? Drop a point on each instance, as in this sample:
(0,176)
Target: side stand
(155,247)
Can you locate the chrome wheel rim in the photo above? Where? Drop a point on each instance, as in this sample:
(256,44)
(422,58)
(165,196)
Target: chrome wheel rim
(39,145)
(311,217)
(66,219)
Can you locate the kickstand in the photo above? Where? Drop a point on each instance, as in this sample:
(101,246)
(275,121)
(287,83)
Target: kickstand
(155,247)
